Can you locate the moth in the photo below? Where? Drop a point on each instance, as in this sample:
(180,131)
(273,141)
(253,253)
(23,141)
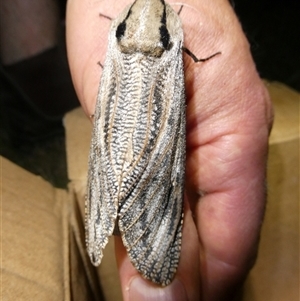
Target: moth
(137,155)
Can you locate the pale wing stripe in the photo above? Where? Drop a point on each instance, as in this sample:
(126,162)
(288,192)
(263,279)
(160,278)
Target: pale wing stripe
(141,185)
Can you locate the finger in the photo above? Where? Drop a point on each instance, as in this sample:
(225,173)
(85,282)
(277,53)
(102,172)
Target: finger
(228,118)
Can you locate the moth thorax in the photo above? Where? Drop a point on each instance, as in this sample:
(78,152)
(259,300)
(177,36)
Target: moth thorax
(144,47)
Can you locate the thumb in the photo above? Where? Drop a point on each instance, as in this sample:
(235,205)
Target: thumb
(135,287)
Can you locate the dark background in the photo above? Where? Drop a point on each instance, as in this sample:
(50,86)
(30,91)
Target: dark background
(37,142)
(273,30)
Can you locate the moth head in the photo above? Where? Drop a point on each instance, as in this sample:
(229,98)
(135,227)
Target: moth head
(144,29)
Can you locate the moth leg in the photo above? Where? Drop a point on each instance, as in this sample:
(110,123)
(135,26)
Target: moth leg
(187,51)
(180,9)
(196,60)
(110,19)
(106,17)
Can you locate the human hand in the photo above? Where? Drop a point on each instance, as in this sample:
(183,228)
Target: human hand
(229,116)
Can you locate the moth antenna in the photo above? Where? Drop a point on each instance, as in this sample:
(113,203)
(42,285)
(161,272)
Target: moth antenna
(99,63)
(196,60)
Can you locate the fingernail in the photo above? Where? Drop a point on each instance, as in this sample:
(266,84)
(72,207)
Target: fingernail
(141,289)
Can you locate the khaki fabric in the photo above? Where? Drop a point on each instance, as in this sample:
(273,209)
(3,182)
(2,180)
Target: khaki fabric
(275,276)
(42,228)
(40,257)
(34,237)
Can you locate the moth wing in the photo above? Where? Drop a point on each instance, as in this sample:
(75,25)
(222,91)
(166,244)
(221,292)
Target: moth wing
(150,218)
(101,204)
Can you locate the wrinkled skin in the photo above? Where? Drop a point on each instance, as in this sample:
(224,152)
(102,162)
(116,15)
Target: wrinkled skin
(229,116)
